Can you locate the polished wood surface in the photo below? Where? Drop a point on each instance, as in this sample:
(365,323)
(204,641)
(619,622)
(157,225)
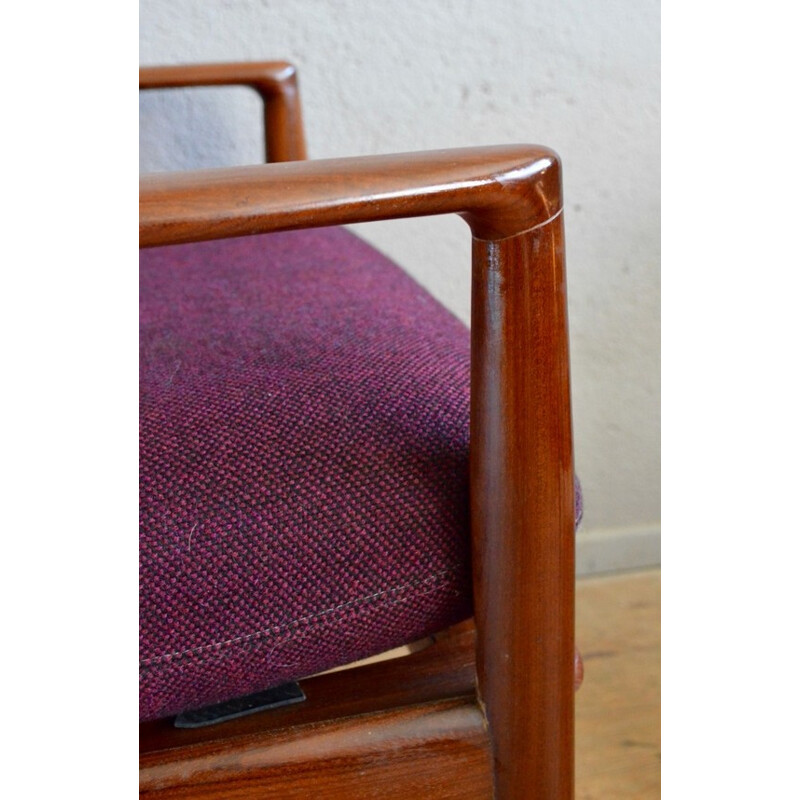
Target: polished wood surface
(435,751)
(522,508)
(275,82)
(390,729)
(500,191)
(521,456)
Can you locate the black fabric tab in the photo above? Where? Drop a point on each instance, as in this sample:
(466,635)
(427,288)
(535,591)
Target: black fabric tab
(283,695)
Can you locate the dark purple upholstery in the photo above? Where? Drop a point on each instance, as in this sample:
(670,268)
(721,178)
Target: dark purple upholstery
(304,438)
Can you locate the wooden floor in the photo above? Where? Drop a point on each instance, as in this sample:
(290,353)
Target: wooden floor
(618,714)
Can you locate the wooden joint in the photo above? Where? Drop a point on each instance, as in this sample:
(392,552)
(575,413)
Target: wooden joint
(521,197)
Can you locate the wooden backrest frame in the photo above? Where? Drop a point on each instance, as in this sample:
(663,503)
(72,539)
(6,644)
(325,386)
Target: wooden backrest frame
(275,82)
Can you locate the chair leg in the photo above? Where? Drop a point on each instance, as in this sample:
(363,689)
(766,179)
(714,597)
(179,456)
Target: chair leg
(522,510)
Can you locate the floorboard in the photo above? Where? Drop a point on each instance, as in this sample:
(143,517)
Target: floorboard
(618,714)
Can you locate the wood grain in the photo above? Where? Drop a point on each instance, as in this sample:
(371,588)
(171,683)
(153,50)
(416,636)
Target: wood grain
(434,751)
(618,722)
(500,191)
(390,729)
(523,509)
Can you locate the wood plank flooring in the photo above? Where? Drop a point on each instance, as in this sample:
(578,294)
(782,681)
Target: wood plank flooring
(618,714)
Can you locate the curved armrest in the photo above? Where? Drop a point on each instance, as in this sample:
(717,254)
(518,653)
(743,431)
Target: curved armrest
(275,82)
(500,191)
(521,470)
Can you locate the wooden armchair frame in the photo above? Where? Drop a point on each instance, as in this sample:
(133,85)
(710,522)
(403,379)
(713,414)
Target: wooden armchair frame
(386,730)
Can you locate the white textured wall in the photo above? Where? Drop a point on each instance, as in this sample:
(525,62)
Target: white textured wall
(579,76)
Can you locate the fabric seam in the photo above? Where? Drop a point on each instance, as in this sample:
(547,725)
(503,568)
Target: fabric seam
(167,657)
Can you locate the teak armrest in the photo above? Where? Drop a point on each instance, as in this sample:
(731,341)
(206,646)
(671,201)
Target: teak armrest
(521,468)
(275,82)
(500,191)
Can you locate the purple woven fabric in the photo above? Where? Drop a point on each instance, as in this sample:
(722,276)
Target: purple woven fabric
(304,437)
(304,434)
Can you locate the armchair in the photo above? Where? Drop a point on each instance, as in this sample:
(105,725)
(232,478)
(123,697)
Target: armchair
(468,471)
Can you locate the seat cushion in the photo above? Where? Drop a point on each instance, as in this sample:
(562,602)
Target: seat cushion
(304,434)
